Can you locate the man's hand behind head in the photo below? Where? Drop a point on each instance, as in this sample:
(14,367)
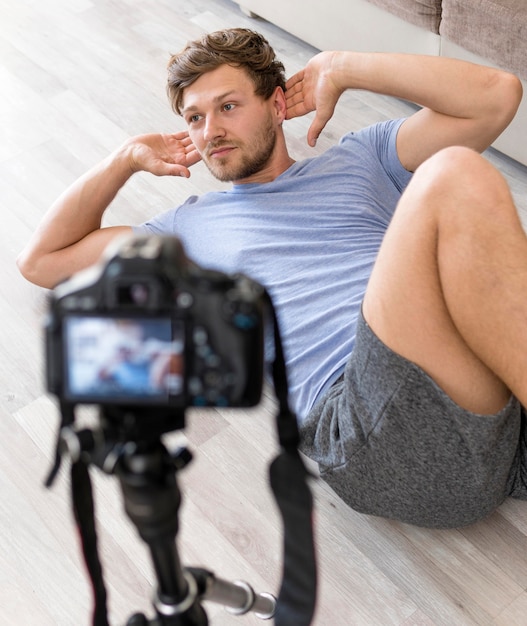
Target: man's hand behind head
(163,155)
(314,89)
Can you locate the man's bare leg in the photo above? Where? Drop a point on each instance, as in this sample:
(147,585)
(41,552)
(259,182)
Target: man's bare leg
(449,288)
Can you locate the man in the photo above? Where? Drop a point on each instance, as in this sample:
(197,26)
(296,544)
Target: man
(405,330)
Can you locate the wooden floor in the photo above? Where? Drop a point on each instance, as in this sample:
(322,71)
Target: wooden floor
(77,77)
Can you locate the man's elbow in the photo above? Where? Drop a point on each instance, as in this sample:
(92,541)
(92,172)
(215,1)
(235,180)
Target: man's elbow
(509,97)
(28,267)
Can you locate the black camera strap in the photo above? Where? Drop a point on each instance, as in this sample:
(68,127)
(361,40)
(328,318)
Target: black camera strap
(288,478)
(83,510)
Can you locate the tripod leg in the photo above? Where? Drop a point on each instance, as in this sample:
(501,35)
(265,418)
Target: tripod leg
(152,500)
(239,597)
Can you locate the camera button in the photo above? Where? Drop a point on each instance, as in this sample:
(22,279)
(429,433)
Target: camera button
(200,336)
(184,300)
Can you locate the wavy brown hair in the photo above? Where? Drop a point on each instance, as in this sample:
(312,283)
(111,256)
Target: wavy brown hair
(239,47)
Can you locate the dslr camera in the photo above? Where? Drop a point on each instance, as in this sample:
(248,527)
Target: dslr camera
(147,328)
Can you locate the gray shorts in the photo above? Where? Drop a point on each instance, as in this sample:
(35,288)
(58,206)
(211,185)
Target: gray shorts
(391,443)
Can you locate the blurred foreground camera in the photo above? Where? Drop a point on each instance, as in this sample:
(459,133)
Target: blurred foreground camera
(145,334)
(147,327)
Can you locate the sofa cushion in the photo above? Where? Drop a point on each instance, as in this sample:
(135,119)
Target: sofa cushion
(423,13)
(493,29)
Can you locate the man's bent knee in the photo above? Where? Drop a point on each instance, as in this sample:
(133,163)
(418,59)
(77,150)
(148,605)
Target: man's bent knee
(457,185)
(463,172)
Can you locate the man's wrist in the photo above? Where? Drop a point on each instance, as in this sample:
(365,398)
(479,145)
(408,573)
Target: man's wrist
(343,69)
(122,161)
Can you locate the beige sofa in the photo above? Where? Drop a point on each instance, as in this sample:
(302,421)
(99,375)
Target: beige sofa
(492,32)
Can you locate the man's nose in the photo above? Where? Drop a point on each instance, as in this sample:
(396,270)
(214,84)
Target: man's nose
(213,128)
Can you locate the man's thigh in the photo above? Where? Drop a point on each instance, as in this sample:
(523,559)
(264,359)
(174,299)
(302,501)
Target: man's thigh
(406,308)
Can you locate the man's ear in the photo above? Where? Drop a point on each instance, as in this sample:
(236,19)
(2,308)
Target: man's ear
(280,104)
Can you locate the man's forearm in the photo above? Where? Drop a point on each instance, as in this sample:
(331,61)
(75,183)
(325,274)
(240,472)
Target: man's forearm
(75,214)
(79,210)
(455,88)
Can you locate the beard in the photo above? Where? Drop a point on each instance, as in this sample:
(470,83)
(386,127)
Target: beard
(255,156)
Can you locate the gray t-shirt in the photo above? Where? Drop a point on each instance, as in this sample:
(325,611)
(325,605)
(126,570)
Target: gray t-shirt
(310,237)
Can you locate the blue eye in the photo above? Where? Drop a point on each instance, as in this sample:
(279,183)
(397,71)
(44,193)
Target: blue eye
(228,107)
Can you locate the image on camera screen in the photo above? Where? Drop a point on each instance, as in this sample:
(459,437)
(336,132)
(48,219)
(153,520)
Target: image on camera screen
(114,359)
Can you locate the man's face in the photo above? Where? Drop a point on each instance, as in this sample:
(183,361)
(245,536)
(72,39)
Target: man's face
(233,129)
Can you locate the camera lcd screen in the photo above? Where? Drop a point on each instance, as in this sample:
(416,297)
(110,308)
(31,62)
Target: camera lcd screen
(123,359)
